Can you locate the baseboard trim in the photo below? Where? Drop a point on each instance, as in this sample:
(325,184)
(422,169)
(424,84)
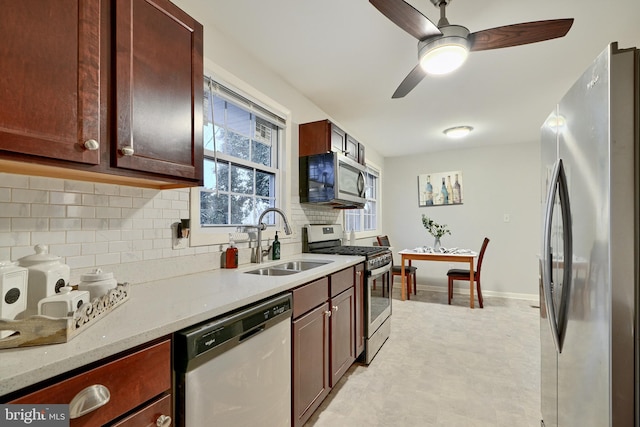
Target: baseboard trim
(458,290)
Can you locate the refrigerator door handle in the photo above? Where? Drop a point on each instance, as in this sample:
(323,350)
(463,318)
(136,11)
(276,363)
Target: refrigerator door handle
(558,186)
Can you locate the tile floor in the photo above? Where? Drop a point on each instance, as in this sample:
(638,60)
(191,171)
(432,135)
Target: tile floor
(445,366)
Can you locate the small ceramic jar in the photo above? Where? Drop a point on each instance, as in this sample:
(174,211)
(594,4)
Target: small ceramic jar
(64,303)
(13,292)
(97,282)
(47,274)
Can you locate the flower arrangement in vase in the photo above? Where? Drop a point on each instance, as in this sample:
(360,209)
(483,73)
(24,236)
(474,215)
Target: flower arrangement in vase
(435,229)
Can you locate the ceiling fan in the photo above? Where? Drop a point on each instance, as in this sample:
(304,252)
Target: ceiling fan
(451,43)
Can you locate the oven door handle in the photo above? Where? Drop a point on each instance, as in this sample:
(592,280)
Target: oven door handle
(380,271)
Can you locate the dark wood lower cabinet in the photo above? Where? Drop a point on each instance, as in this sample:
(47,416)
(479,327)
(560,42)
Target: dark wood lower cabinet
(343,352)
(139,384)
(310,358)
(324,339)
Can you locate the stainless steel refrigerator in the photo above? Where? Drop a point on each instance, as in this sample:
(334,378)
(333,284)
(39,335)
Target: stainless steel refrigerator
(589,256)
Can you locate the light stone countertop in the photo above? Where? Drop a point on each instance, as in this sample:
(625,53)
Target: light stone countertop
(156,309)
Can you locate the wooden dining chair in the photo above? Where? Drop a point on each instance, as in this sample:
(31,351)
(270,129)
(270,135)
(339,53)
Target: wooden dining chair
(460,274)
(396,270)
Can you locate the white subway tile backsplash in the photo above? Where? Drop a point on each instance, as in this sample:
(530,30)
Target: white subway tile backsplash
(120,201)
(108,189)
(14,181)
(19,195)
(42,183)
(66,250)
(47,237)
(13,210)
(84,236)
(95,248)
(95,224)
(5,194)
(127,228)
(108,235)
(65,224)
(80,261)
(81,211)
(29,224)
(61,198)
(79,186)
(15,238)
(105,212)
(107,259)
(49,211)
(95,200)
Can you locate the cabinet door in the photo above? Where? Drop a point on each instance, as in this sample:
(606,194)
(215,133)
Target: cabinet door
(338,139)
(342,334)
(351,148)
(50,81)
(159,89)
(310,359)
(359,309)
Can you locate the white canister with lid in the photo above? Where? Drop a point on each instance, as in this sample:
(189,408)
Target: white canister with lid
(62,304)
(97,282)
(13,292)
(47,275)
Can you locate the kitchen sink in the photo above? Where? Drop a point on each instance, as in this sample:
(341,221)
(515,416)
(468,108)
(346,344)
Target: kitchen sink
(271,271)
(284,269)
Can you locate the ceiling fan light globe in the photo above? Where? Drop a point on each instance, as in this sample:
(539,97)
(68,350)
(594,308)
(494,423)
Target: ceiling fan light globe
(446,53)
(444,59)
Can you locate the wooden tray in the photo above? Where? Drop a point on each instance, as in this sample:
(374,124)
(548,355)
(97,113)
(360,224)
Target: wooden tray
(41,330)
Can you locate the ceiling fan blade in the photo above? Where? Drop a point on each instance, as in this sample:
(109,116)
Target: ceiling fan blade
(407,17)
(519,34)
(415,76)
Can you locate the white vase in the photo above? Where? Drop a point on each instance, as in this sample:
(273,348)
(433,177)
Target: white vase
(436,244)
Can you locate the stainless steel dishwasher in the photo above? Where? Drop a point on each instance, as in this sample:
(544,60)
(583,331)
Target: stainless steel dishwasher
(236,370)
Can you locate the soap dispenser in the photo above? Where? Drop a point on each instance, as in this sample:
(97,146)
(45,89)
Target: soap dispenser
(231,255)
(276,247)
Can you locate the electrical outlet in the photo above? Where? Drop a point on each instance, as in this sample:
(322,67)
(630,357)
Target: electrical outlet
(507,218)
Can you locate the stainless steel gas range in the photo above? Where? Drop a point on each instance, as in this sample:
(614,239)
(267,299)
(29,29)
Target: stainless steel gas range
(326,239)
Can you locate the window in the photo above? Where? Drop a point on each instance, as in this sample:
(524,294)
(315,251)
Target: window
(241,166)
(366,219)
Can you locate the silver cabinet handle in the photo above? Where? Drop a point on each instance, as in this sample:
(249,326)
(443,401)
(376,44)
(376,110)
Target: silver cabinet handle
(88,400)
(335,308)
(327,313)
(91,144)
(127,150)
(163,421)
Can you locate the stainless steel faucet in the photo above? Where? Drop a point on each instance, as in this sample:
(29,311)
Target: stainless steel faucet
(261,226)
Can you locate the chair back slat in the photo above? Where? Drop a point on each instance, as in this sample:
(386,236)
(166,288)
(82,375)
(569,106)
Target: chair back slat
(383,241)
(481,256)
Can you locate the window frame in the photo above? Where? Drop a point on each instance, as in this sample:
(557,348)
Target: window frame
(375,232)
(213,235)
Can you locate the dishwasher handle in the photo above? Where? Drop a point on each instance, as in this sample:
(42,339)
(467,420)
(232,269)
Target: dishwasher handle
(250,334)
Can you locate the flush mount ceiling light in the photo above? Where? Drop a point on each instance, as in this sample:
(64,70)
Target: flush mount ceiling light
(458,131)
(444,54)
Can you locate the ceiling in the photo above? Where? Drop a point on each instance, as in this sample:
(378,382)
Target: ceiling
(348,59)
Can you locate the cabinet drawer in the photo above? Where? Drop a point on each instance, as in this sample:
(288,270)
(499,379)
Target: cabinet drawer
(341,281)
(149,415)
(310,296)
(132,380)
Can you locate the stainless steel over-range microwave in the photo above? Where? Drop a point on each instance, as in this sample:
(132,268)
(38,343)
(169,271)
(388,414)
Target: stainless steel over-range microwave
(332,179)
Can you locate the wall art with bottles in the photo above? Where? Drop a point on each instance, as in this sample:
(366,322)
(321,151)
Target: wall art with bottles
(440,189)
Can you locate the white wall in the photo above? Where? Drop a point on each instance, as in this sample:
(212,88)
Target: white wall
(498,180)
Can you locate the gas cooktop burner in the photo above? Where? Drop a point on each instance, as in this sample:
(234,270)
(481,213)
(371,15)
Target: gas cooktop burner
(351,250)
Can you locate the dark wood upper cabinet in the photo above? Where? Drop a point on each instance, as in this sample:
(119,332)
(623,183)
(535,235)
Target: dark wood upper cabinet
(50,78)
(159,89)
(324,136)
(101,90)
